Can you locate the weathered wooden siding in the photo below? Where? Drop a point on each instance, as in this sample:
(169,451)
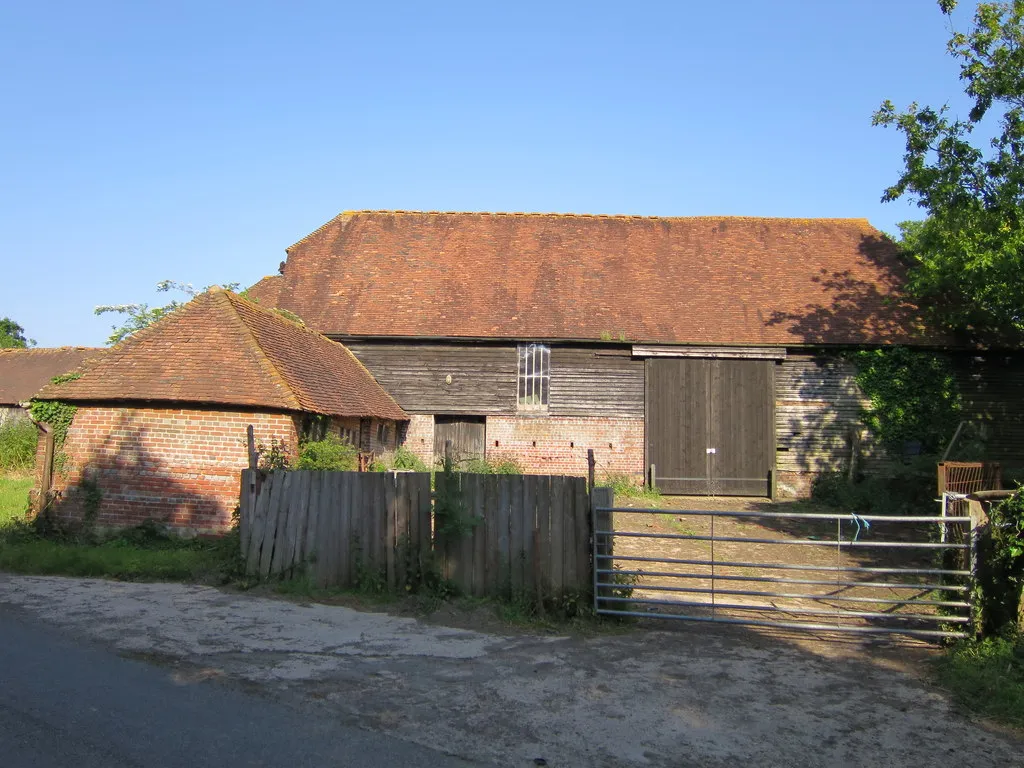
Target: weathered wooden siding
(589,382)
(584,381)
(992,391)
(817,405)
(483,377)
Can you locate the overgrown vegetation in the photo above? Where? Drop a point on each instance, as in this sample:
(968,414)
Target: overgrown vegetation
(987,677)
(274,455)
(452,519)
(59,415)
(914,397)
(328,453)
(1000,560)
(625,487)
(907,489)
(401,459)
(492,465)
(144,553)
(17,446)
(13,498)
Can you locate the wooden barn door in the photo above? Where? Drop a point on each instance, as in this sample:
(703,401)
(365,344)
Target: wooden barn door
(467,434)
(710,425)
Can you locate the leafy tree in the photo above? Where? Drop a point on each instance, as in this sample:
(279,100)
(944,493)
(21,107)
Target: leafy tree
(12,335)
(138,316)
(967,256)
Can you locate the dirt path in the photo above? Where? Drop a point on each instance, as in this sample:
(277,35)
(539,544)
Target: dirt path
(693,696)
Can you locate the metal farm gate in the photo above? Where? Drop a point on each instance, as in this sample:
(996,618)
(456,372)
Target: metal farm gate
(813,571)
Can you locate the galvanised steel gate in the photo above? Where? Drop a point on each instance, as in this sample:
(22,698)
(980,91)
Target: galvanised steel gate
(797,570)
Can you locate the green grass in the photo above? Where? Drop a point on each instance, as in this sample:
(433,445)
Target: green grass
(113,559)
(17,446)
(987,677)
(13,497)
(142,553)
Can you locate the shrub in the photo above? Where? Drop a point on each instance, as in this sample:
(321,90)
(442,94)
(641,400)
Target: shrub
(625,486)
(910,489)
(330,453)
(497,465)
(18,446)
(402,458)
(1001,564)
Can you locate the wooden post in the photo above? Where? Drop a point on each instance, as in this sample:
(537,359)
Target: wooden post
(591,467)
(46,473)
(652,477)
(250,439)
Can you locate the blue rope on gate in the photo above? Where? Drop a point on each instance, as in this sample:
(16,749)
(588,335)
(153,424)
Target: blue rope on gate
(861,523)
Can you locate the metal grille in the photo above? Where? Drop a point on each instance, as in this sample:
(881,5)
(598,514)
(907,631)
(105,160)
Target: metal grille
(963,477)
(815,571)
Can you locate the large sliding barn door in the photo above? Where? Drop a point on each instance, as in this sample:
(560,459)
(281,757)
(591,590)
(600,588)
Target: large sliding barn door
(710,425)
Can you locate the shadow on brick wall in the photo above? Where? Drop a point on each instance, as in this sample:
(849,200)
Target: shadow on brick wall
(135,485)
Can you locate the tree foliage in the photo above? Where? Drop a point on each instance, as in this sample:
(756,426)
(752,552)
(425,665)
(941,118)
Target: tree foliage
(967,256)
(12,335)
(139,316)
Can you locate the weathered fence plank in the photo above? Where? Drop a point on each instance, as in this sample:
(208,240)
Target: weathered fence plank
(504,518)
(557,536)
(309,546)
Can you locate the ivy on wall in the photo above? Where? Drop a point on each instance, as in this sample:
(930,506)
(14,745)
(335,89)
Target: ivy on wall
(59,416)
(914,396)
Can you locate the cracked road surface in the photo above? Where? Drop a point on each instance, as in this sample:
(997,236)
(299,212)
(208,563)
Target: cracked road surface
(686,696)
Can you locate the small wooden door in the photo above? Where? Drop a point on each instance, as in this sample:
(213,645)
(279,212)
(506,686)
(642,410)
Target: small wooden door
(467,433)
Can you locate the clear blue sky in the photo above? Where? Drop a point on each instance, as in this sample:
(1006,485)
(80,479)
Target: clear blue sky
(196,140)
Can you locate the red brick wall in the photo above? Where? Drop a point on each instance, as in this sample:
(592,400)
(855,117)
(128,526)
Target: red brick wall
(419,438)
(178,466)
(558,445)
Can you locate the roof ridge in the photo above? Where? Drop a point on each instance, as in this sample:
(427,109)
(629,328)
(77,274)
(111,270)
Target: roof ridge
(555,214)
(301,326)
(23,350)
(265,361)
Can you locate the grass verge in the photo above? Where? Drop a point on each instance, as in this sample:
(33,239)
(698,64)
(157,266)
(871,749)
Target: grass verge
(987,677)
(14,490)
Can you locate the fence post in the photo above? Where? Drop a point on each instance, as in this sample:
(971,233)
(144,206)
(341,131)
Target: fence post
(250,440)
(591,467)
(652,477)
(46,472)
(603,521)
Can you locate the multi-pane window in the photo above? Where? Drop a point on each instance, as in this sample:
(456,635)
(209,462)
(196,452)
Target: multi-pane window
(534,376)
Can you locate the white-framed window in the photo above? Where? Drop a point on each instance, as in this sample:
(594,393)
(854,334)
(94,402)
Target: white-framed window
(534,380)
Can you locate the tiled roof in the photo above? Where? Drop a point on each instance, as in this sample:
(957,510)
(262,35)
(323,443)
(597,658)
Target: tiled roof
(23,372)
(699,280)
(222,349)
(266,291)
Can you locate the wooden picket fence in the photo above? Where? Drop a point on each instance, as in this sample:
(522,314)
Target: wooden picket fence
(342,527)
(521,533)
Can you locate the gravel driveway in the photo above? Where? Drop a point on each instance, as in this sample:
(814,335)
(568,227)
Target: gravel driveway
(650,696)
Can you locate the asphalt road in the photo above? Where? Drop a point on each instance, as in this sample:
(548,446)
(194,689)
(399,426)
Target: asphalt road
(67,702)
